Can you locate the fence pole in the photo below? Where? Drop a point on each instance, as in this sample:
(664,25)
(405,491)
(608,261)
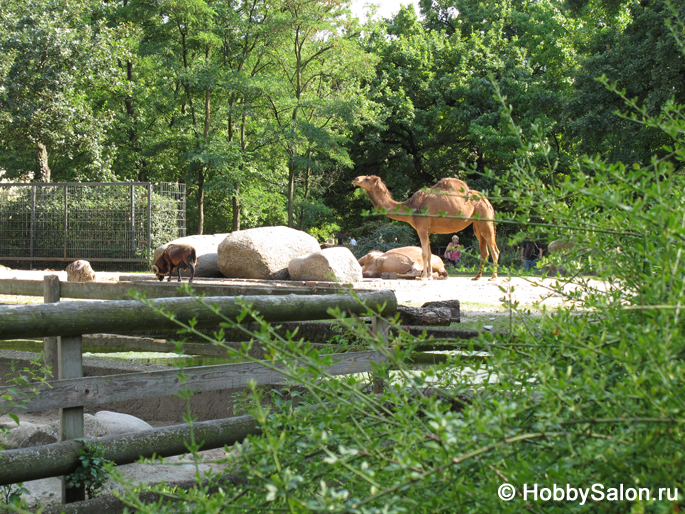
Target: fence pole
(133,222)
(52,292)
(71,420)
(64,219)
(380,327)
(33,219)
(149,221)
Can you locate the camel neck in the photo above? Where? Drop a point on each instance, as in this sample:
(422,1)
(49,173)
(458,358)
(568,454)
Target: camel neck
(383,199)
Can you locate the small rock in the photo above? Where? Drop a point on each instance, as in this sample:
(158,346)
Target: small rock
(452,305)
(80,271)
(116,423)
(17,437)
(92,427)
(551,270)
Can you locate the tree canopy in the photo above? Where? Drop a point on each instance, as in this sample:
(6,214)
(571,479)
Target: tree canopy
(288,100)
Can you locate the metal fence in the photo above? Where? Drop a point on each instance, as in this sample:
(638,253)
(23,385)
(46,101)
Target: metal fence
(100,222)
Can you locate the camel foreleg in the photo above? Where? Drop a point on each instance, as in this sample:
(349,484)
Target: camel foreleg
(426,274)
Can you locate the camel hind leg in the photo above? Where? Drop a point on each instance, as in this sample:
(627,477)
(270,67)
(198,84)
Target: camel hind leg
(483,247)
(485,231)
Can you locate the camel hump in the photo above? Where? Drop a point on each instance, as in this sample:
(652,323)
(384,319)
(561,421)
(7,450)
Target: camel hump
(454,185)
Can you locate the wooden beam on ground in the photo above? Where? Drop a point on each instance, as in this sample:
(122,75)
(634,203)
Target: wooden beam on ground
(77,318)
(149,344)
(62,458)
(94,391)
(120,290)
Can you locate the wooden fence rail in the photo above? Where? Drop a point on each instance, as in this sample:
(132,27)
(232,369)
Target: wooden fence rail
(94,391)
(69,321)
(123,316)
(51,460)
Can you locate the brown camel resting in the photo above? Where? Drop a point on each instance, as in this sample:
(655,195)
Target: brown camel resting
(407,262)
(428,212)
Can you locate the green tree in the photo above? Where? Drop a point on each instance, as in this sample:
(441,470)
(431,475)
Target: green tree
(314,95)
(642,55)
(54,54)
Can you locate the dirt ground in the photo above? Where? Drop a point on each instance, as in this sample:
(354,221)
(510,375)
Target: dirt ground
(477,298)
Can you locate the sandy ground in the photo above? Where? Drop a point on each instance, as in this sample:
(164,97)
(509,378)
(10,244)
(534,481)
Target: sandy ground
(482,294)
(475,297)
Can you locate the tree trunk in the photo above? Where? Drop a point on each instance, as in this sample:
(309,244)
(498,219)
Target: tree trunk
(42,169)
(291,191)
(236,210)
(200,200)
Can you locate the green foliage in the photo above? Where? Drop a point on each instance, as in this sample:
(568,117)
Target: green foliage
(11,495)
(92,472)
(36,372)
(589,393)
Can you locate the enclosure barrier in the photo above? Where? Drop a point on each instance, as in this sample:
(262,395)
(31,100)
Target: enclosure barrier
(77,318)
(121,290)
(97,221)
(72,391)
(61,458)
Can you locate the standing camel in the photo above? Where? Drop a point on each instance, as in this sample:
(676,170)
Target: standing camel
(449,197)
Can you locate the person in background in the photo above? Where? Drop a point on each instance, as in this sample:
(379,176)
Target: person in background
(531,253)
(353,241)
(452,251)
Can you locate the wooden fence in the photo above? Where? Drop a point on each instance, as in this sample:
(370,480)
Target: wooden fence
(69,321)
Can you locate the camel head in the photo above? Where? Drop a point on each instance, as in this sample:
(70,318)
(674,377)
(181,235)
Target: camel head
(369,257)
(368,182)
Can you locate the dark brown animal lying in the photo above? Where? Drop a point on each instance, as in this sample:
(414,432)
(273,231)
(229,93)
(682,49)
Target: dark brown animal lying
(176,256)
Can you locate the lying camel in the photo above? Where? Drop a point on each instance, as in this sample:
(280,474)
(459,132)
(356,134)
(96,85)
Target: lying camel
(407,262)
(447,207)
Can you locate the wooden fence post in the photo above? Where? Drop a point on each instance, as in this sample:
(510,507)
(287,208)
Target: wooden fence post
(381,327)
(52,292)
(71,419)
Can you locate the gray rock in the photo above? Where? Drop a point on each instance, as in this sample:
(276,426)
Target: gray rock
(330,264)
(91,428)
(559,245)
(452,305)
(17,437)
(206,250)
(80,271)
(551,270)
(116,423)
(39,438)
(263,253)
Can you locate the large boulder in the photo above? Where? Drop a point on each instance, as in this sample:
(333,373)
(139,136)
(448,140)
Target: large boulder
(559,245)
(206,249)
(263,253)
(328,265)
(116,423)
(27,434)
(91,428)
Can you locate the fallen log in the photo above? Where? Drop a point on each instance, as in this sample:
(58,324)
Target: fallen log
(424,315)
